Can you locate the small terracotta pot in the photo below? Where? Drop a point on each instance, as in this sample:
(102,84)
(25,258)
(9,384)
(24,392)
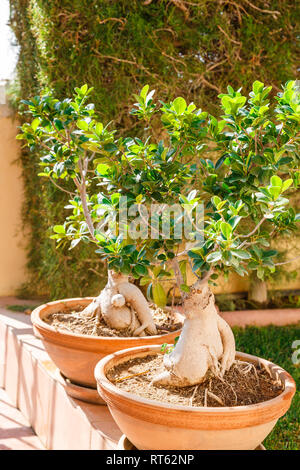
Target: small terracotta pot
(152,425)
(76,355)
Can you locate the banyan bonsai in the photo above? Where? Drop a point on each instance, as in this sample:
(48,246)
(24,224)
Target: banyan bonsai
(255,140)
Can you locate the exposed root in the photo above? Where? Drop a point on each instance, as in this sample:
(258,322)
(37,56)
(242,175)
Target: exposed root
(248,368)
(133,375)
(221,378)
(193,396)
(205,398)
(97,324)
(263,365)
(215,397)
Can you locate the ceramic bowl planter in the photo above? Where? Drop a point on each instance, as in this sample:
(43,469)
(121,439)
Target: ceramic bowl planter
(76,355)
(150,425)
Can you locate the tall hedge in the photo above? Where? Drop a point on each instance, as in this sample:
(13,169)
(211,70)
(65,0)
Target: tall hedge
(192,48)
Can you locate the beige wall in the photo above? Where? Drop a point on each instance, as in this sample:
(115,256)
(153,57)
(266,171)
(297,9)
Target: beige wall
(12,253)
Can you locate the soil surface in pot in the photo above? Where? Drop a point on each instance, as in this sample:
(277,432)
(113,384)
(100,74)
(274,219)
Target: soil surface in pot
(72,320)
(243,384)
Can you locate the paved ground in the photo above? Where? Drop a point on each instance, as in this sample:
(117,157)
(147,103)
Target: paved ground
(15,431)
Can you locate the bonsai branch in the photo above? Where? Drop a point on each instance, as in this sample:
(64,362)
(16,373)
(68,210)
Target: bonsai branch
(60,187)
(288,261)
(254,230)
(81,186)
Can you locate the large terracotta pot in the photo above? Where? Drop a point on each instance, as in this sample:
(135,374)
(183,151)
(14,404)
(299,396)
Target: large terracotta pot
(151,425)
(77,355)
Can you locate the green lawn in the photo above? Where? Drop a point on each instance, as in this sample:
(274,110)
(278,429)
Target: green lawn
(275,344)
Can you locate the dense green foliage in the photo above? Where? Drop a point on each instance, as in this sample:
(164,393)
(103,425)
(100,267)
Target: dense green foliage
(256,140)
(189,48)
(276,344)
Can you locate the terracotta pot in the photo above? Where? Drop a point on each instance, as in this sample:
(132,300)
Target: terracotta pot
(76,355)
(125,444)
(152,425)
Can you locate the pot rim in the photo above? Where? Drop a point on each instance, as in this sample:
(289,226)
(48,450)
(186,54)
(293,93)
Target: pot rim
(112,392)
(60,335)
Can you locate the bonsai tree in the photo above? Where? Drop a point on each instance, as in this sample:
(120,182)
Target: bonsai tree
(214,199)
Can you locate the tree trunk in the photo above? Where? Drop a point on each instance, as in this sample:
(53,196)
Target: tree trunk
(258,291)
(206,343)
(122,306)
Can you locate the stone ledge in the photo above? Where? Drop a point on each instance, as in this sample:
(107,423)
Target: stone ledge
(15,431)
(28,376)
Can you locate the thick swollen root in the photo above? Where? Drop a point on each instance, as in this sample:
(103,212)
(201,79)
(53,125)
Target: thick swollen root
(228,342)
(123,306)
(137,301)
(206,344)
(92,310)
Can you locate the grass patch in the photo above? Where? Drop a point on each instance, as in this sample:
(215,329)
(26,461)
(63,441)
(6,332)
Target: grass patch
(275,344)
(20,308)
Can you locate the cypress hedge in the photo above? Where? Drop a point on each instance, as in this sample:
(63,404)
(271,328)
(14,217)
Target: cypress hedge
(188,48)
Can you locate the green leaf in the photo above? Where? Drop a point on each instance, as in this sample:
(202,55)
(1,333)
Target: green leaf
(257,86)
(216,200)
(115,197)
(163,347)
(276,181)
(226,230)
(234,221)
(145,280)
(144,91)
(83,125)
(179,105)
(184,288)
(240,270)
(213,257)
(149,97)
(141,270)
(58,124)
(59,229)
(286,184)
(99,128)
(275,191)
(35,123)
(128,249)
(182,267)
(159,295)
(110,148)
(150,291)
(74,243)
(103,169)
(241,254)
(269,253)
